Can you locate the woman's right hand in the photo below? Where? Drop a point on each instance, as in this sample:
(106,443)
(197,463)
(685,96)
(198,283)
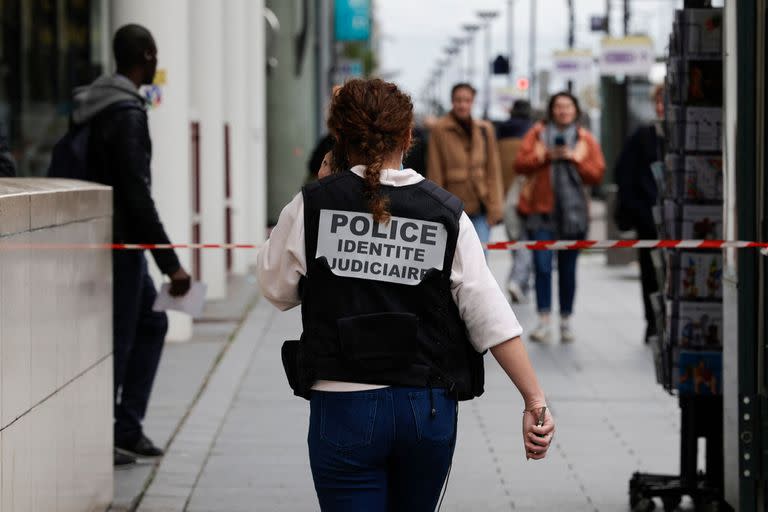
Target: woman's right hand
(537,439)
(513,357)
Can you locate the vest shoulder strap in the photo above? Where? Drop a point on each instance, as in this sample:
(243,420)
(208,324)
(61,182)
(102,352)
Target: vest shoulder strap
(309,188)
(448,200)
(314,186)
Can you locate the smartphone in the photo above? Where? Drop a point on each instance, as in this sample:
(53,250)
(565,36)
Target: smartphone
(559,140)
(541,418)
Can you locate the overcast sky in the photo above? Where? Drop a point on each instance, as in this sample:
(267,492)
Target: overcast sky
(416,31)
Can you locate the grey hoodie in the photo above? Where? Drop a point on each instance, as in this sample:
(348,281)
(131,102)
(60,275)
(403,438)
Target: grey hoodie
(107,90)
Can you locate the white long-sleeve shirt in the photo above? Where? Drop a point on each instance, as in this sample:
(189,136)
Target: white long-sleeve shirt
(482,306)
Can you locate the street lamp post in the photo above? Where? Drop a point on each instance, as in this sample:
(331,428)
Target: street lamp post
(437,78)
(444,79)
(471,29)
(532,50)
(452,51)
(571,33)
(487,17)
(459,42)
(511,39)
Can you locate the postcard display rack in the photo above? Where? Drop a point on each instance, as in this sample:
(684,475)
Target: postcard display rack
(689,311)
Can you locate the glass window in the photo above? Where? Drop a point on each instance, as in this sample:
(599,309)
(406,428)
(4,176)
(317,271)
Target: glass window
(48,47)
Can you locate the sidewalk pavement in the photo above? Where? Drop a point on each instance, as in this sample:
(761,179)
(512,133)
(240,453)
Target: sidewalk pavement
(184,371)
(242,446)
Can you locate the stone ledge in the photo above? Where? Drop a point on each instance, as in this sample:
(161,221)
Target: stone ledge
(35,203)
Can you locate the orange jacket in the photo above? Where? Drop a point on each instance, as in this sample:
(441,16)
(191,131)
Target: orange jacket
(532,161)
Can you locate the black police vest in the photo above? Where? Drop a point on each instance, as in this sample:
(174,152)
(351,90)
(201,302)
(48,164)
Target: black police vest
(376,299)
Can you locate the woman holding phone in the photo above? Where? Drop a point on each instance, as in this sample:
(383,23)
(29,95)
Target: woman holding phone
(398,306)
(560,158)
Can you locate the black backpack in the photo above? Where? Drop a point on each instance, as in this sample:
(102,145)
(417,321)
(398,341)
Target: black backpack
(70,154)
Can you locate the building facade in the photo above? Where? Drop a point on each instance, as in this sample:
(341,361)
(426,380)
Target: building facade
(207,113)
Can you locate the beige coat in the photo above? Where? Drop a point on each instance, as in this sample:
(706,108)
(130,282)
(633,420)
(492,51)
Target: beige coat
(469,169)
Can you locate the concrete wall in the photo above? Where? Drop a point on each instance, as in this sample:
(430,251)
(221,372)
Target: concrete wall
(212,70)
(55,347)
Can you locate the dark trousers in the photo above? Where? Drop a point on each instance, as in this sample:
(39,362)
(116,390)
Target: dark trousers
(646,230)
(139,334)
(382,450)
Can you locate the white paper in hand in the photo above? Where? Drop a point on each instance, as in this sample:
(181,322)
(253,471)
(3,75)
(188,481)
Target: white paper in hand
(192,303)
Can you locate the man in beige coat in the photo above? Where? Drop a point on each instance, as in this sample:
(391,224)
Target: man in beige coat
(464,159)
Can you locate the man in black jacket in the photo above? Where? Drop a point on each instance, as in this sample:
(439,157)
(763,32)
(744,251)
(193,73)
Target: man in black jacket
(120,151)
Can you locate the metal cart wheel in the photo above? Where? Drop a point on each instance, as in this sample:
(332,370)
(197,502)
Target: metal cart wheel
(644,504)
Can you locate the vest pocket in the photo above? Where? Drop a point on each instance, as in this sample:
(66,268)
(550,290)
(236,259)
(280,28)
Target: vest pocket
(379,341)
(347,419)
(299,375)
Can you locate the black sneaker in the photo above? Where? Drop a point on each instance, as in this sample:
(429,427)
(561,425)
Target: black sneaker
(143,449)
(123,459)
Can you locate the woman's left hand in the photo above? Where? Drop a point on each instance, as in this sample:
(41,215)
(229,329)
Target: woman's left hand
(579,152)
(537,439)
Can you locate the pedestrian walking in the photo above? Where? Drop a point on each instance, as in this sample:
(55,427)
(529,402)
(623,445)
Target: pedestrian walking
(398,306)
(463,158)
(637,196)
(510,134)
(559,157)
(119,155)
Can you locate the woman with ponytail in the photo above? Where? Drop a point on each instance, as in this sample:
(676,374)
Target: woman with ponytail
(398,306)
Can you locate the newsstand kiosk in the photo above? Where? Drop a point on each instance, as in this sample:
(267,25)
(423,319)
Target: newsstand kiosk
(689,308)
(711,349)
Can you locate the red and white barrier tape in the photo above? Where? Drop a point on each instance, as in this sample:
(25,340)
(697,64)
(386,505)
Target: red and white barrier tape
(562,245)
(541,245)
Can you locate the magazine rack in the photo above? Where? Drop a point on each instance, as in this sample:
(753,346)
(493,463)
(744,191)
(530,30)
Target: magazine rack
(688,348)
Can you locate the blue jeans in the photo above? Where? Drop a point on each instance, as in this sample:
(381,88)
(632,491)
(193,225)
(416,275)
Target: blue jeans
(566,274)
(381,450)
(522,265)
(480,222)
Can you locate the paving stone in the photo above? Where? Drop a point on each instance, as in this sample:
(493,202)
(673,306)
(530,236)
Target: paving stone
(182,372)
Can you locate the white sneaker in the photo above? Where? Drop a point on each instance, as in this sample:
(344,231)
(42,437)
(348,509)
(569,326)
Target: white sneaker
(516,293)
(542,332)
(566,333)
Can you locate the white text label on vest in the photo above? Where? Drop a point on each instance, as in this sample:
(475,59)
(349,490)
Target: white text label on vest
(400,251)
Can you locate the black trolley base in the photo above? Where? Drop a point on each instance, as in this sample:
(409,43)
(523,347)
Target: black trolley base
(643,487)
(702,417)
